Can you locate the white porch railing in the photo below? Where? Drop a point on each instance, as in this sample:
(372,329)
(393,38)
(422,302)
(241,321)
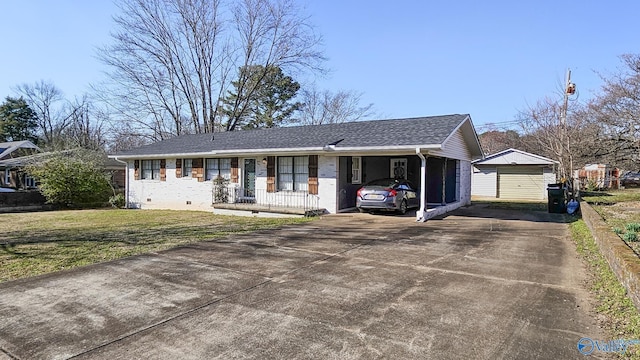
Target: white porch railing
(280,199)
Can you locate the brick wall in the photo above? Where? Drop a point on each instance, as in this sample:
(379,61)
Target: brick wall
(21,198)
(621,258)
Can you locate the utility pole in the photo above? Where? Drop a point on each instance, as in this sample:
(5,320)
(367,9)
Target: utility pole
(569,89)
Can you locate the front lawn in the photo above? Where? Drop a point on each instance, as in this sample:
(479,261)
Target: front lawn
(43,242)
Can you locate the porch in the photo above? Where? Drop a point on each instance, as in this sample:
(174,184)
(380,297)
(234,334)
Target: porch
(259,200)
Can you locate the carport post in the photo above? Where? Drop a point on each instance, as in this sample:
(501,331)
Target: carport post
(420,214)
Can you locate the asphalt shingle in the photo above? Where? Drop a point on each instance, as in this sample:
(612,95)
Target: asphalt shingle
(430,130)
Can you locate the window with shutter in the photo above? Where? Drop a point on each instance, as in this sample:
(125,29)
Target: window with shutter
(234,170)
(136,171)
(271,174)
(178,168)
(313,174)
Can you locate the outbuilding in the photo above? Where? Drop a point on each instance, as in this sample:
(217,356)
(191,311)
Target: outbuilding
(513,174)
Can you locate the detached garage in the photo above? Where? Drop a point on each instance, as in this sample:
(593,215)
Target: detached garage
(512,174)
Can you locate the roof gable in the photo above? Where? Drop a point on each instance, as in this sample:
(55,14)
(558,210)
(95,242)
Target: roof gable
(7,148)
(468,132)
(425,132)
(514,157)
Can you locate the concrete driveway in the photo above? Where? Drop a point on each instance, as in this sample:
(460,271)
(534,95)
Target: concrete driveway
(480,283)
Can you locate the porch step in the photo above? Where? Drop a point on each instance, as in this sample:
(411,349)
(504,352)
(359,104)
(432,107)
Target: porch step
(256,208)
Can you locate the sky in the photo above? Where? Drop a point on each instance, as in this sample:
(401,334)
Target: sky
(490,59)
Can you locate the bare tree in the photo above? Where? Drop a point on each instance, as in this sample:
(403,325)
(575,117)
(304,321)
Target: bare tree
(494,141)
(325,107)
(545,133)
(271,33)
(173,60)
(616,111)
(163,60)
(86,126)
(47,101)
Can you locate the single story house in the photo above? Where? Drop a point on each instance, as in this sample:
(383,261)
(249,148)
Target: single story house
(308,168)
(12,154)
(513,174)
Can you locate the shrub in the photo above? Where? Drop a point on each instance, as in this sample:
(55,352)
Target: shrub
(633,227)
(72,178)
(630,236)
(117,201)
(220,190)
(617,230)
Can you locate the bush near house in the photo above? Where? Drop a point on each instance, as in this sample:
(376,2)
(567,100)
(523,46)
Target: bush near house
(72,179)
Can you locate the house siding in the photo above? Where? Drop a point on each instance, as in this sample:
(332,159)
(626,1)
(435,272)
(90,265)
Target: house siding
(484,181)
(515,157)
(549,178)
(454,148)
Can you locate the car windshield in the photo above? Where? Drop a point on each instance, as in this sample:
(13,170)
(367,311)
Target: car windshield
(383,182)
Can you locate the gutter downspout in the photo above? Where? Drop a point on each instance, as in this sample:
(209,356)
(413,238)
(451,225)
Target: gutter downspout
(126,182)
(420,214)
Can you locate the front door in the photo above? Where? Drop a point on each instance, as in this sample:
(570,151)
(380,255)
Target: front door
(398,168)
(249,178)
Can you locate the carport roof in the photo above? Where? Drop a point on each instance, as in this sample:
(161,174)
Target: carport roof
(424,132)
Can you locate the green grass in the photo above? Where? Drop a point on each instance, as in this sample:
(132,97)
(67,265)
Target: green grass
(610,196)
(43,242)
(623,319)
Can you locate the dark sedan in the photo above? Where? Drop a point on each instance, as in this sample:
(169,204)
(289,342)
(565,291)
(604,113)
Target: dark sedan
(387,195)
(630,179)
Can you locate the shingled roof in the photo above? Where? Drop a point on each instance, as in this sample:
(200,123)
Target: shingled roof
(398,133)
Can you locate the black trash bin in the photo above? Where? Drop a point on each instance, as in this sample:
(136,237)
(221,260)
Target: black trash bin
(556,198)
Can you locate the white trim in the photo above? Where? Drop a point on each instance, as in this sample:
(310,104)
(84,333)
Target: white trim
(420,214)
(29,181)
(7,177)
(409,149)
(475,135)
(504,152)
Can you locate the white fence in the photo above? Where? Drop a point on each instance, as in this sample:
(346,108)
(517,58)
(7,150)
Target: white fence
(279,199)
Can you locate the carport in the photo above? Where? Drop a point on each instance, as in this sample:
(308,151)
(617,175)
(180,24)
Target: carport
(435,156)
(439,182)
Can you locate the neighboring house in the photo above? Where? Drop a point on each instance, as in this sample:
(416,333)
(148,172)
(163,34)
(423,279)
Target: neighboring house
(12,155)
(116,170)
(598,176)
(513,174)
(308,168)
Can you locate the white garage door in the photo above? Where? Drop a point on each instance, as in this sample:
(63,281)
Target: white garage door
(520,182)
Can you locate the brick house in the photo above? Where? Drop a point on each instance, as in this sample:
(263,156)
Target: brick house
(305,168)
(12,162)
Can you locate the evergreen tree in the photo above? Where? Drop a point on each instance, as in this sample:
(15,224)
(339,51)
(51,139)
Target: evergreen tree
(17,121)
(262,98)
